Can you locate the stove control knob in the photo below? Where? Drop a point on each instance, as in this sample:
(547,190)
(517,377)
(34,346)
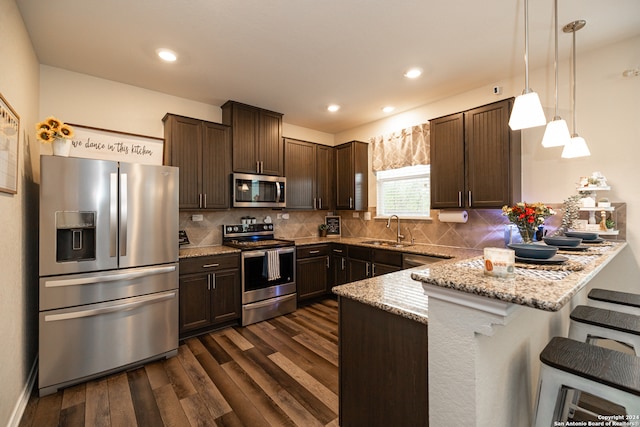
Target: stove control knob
(235,228)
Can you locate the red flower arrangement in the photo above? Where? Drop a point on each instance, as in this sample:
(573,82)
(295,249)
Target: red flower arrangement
(527,217)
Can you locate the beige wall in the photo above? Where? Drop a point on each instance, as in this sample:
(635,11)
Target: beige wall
(18,216)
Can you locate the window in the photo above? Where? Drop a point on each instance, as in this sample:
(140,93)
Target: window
(404,192)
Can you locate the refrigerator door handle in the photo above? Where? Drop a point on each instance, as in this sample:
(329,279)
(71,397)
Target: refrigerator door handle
(140,301)
(113,216)
(123,214)
(101,278)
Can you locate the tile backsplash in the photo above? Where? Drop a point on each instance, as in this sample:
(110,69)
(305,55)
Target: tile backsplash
(484,228)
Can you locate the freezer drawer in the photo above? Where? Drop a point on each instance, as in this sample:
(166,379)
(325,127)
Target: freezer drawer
(82,342)
(88,288)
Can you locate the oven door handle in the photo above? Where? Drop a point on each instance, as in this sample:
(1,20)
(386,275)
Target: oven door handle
(261,253)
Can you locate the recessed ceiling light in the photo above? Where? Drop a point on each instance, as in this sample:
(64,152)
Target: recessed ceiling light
(413,73)
(388,108)
(167,55)
(333,108)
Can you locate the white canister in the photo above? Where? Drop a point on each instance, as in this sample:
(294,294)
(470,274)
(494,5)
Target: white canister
(499,262)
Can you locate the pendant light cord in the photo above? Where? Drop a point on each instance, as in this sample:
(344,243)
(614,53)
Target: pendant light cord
(573,86)
(526,47)
(555,63)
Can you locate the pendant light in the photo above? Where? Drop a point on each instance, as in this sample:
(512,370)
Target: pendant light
(577,146)
(527,110)
(557,132)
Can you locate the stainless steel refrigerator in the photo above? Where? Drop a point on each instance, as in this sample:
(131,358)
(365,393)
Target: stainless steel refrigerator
(108,268)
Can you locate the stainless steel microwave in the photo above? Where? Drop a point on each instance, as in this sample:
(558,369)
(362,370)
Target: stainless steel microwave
(258,191)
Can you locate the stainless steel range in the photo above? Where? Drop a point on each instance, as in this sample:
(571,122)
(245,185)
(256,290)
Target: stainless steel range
(268,271)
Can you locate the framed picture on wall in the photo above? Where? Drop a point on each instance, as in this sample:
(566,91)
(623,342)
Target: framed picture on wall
(333,226)
(9,134)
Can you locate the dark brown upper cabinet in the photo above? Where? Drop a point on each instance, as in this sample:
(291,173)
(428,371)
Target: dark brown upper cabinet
(257,138)
(475,158)
(352,176)
(202,151)
(309,171)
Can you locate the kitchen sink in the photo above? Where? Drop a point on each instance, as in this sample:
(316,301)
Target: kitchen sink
(387,243)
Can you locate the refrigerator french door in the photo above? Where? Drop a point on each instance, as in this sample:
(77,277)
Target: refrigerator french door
(108,267)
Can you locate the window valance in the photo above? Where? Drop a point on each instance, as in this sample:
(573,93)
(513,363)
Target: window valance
(407,147)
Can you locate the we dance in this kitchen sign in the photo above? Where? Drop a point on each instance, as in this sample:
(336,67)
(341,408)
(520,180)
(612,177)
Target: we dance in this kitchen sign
(102,144)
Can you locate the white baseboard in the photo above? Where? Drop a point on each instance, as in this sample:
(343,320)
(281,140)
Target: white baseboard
(21,404)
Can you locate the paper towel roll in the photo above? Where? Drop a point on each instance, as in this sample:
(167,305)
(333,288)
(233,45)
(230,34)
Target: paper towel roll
(453,216)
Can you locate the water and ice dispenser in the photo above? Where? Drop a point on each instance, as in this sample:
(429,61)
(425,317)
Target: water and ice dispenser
(75,236)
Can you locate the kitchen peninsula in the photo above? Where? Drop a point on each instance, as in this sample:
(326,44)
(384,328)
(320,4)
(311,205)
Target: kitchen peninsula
(484,334)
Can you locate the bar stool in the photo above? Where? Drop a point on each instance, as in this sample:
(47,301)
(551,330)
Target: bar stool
(593,323)
(615,300)
(602,372)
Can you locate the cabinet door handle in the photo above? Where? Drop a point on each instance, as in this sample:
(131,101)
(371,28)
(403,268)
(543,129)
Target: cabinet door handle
(211,281)
(204,197)
(459,199)
(373,270)
(469,197)
(314,252)
(200,200)
(367,271)
(338,251)
(315,203)
(327,262)
(320,203)
(350,202)
(343,263)
(210,265)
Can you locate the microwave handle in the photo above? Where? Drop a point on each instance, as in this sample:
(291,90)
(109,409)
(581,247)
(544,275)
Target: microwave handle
(278,193)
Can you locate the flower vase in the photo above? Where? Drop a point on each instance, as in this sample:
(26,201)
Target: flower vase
(527,232)
(61,147)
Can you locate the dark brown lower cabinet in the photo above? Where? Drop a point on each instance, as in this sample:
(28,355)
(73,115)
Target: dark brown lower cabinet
(383,365)
(312,271)
(364,263)
(339,275)
(209,293)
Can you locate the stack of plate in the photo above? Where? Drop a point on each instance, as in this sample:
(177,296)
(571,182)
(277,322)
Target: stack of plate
(587,237)
(537,254)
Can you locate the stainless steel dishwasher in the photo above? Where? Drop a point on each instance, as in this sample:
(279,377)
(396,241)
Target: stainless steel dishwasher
(414,260)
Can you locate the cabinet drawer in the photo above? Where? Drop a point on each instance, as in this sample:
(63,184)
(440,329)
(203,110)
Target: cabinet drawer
(338,249)
(312,251)
(387,257)
(209,263)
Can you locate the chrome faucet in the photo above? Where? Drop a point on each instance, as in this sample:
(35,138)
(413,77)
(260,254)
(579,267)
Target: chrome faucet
(399,236)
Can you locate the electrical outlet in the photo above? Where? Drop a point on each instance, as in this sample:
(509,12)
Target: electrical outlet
(356,214)
(198,217)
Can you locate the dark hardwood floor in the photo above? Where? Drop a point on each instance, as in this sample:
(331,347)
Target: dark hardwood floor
(280,372)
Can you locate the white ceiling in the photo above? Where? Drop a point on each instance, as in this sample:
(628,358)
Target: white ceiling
(298,56)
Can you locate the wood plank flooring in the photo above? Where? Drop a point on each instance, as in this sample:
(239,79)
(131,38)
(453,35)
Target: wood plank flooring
(280,372)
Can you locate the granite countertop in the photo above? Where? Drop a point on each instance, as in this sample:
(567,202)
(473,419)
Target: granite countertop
(395,292)
(543,287)
(187,252)
(439,251)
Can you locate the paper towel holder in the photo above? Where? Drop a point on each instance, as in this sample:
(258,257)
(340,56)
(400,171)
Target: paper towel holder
(456,216)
